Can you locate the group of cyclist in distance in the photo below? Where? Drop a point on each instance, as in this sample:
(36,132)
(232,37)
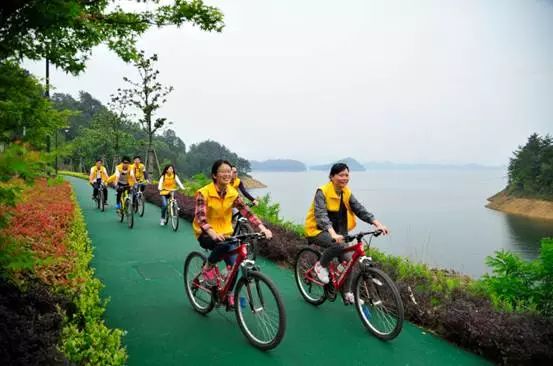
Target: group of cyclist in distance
(331,216)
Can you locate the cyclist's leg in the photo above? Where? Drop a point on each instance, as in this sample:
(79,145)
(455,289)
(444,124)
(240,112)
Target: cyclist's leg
(120,189)
(164,200)
(105,189)
(95,189)
(332,250)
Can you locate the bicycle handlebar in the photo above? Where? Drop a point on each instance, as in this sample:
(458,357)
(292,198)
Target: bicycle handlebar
(240,237)
(360,235)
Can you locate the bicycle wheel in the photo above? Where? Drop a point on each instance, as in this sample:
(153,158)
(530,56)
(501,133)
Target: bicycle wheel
(245,228)
(122,210)
(199,295)
(101,199)
(309,285)
(135,204)
(140,203)
(174,209)
(378,303)
(129,213)
(259,311)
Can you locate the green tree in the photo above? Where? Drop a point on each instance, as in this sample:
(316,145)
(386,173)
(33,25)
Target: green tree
(146,95)
(65,31)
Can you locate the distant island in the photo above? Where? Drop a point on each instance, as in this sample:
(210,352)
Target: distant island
(353,165)
(278,165)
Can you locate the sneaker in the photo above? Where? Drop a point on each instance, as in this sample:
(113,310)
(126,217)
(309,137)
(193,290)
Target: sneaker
(209,276)
(322,273)
(118,206)
(162,222)
(231,301)
(349,298)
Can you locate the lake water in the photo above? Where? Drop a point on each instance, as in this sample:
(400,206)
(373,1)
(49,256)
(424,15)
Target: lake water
(435,216)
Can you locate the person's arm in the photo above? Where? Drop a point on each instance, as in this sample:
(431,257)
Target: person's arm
(254,220)
(160,184)
(178,182)
(360,211)
(321,216)
(247,194)
(200,216)
(117,175)
(90,177)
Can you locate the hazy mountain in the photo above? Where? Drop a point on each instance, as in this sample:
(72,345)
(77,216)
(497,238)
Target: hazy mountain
(353,165)
(375,165)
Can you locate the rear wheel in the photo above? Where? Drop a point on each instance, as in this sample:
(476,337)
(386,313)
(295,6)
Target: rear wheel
(198,293)
(140,204)
(174,210)
(129,213)
(378,303)
(259,311)
(311,289)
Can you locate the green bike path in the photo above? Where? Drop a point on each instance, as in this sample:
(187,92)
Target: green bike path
(142,271)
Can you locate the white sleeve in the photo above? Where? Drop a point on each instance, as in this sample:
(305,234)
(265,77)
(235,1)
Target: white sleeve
(160,184)
(178,182)
(117,174)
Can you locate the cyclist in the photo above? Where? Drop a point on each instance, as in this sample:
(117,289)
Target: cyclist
(213,218)
(167,183)
(330,217)
(99,175)
(124,178)
(140,174)
(237,184)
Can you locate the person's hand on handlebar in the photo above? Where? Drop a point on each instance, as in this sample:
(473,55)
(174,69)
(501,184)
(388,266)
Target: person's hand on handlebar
(379,226)
(214,236)
(268,234)
(335,237)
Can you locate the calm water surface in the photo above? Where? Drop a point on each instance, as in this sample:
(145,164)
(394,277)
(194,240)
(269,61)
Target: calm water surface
(435,216)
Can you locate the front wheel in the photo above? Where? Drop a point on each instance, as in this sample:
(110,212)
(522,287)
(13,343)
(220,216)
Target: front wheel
(174,210)
(121,211)
(311,289)
(101,199)
(197,291)
(130,213)
(259,311)
(140,204)
(378,303)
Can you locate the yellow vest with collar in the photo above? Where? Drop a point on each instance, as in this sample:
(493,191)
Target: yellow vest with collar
(103,173)
(169,184)
(219,210)
(138,172)
(332,204)
(236,183)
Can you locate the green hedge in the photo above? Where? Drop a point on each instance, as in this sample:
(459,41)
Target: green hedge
(86,340)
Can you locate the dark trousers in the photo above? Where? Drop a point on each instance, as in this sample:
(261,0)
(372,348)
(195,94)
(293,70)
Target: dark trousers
(333,250)
(120,189)
(218,250)
(96,186)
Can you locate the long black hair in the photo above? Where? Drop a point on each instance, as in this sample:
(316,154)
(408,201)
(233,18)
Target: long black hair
(166,168)
(337,169)
(216,166)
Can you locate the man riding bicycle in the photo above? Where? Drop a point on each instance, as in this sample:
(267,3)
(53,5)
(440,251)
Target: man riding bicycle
(124,178)
(330,217)
(140,174)
(98,176)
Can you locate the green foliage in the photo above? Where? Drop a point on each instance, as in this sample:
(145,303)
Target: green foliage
(270,212)
(86,339)
(200,158)
(192,185)
(531,169)
(65,31)
(24,112)
(519,285)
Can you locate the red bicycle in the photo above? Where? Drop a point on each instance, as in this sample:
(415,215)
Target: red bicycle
(258,305)
(377,299)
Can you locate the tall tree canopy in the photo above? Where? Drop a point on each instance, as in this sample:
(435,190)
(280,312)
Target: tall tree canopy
(65,31)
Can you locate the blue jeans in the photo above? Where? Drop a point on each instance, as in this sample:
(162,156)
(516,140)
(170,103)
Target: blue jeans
(218,250)
(164,201)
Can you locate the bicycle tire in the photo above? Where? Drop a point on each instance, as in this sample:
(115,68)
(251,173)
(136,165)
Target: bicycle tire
(248,306)
(101,199)
(304,285)
(129,213)
(174,215)
(195,280)
(376,294)
(141,205)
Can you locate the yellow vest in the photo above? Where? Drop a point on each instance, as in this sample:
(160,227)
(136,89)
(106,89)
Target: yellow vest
(138,171)
(130,179)
(236,183)
(332,204)
(219,210)
(169,184)
(103,173)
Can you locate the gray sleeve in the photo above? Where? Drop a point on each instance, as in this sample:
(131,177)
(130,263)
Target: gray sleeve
(321,215)
(359,210)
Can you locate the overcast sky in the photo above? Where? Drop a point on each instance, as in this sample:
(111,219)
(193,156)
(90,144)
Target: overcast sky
(444,81)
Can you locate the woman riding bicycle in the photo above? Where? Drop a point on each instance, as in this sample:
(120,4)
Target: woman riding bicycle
(331,216)
(167,183)
(237,184)
(213,217)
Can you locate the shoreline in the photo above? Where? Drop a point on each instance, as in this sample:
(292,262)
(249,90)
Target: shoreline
(528,207)
(252,183)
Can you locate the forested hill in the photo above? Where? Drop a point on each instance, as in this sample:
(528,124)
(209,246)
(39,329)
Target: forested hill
(95,131)
(278,165)
(531,169)
(353,165)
